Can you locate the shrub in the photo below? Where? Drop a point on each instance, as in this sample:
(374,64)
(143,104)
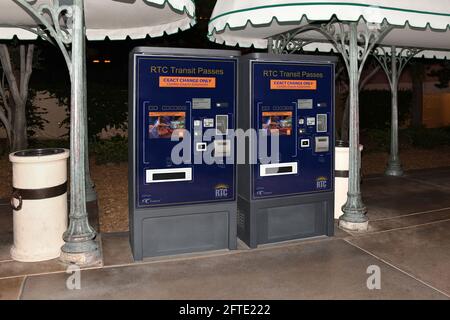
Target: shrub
(48,143)
(418,137)
(376,140)
(422,137)
(114,150)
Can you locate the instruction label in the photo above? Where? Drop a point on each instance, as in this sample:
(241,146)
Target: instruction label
(276,84)
(187,82)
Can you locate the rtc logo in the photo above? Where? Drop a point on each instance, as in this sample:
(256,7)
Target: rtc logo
(260,193)
(221,190)
(321,183)
(146,200)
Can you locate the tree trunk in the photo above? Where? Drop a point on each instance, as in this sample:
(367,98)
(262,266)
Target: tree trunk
(20,138)
(5,112)
(15,103)
(7,125)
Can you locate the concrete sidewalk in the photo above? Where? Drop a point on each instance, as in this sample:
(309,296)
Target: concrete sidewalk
(409,240)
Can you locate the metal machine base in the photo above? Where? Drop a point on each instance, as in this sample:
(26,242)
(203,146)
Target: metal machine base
(183,229)
(286,218)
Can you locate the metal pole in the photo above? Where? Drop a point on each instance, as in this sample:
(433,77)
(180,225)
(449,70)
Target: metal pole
(80,247)
(354,217)
(91,195)
(394,166)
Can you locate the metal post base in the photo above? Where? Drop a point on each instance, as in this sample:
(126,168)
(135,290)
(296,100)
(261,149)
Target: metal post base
(354,217)
(93,256)
(394,168)
(354,226)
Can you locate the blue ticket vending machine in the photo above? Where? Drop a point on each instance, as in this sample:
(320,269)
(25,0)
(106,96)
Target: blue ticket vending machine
(176,96)
(291,97)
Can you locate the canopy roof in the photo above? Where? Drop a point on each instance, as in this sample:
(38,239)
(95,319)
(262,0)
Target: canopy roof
(418,23)
(115,19)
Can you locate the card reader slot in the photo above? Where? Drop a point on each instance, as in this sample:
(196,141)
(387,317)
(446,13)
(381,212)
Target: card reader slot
(276,169)
(168,175)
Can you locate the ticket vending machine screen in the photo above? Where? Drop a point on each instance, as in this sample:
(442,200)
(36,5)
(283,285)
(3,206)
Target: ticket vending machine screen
(177,99)
(295,102)
(166,124)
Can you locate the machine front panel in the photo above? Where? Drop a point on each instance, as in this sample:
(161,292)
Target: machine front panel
(176,100)
(293,101)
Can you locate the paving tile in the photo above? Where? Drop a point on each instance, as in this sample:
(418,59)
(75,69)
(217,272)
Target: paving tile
(6,241)
(317,270)
(440,178)
(10,288)
(6,221)
(408,220)
(430,171)
(412,173)
(338,232)
(15,268)
(116,249)
(393,196)
(423,251)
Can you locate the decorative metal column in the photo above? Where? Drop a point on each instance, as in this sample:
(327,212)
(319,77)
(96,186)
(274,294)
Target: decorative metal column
(354,45)
(91,195)
(80,247)
(354,217)
(393,65)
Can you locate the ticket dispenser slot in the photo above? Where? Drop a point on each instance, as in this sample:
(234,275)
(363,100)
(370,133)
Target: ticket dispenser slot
(290,98)
(277,169)
(182,104)
(168,175)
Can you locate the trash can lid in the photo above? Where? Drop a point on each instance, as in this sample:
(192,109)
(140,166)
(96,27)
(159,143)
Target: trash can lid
(38,152)
(39,155)
(341,144)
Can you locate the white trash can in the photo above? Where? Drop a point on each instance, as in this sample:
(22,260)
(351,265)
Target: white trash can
(39,203)
(341,167)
